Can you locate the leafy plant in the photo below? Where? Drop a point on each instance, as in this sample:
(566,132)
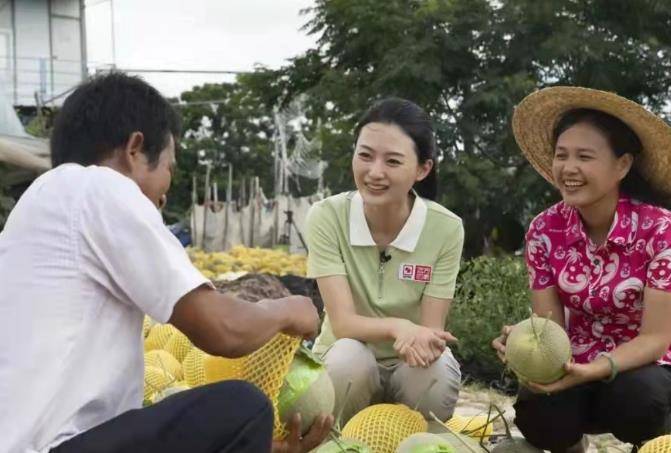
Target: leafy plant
(6,202)
(491,292)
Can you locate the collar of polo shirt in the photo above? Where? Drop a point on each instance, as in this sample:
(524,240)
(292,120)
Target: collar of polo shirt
(359,233)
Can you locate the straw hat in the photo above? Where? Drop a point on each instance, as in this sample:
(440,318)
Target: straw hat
(536,117)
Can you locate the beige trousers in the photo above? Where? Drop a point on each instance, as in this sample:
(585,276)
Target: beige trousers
(373,382)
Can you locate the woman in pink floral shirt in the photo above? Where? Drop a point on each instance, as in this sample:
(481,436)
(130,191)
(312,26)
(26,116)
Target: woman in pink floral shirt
(600,262)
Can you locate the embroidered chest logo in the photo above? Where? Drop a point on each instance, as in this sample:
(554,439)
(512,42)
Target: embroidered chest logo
(415,272)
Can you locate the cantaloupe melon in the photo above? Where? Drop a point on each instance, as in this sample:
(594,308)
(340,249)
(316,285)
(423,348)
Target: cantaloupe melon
(163,360)
(475,426)
(192,367)
(661,444)
(155,380)
(158,336)
(307,389)
(384,426)
(178,345)
(537,350)
(425,443)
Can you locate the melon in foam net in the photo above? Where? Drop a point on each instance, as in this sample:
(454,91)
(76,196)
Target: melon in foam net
(307,389)
(537,350)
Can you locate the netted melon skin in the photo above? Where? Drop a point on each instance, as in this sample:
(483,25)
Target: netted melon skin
(661,444)
(538,355)
(384,426)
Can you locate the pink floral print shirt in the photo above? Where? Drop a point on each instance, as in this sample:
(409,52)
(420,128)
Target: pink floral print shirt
(601,287)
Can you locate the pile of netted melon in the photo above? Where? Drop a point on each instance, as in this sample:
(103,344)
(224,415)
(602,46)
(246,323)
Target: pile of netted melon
(240,259)
(296,381)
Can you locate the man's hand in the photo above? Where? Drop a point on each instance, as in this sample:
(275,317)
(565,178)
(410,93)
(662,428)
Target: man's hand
(499,343)
(300,312)
(294,443)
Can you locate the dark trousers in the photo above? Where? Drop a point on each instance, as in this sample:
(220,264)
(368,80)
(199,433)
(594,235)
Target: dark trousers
(226,417)
(635,407)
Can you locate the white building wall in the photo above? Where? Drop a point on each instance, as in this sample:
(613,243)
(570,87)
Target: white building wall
(41,48)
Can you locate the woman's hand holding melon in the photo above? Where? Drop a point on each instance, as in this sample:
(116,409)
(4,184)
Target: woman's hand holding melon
(419,345)
(576,374)
(499,343)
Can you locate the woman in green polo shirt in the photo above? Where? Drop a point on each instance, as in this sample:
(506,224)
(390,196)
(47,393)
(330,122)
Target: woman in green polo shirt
(386,259)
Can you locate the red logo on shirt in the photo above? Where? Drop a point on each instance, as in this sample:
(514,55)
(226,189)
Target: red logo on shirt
(422,273)
(408,270)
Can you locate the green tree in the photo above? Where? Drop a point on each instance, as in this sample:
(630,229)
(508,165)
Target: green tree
(468,62)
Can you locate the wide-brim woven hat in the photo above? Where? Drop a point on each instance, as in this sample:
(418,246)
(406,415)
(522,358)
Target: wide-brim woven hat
(536,117)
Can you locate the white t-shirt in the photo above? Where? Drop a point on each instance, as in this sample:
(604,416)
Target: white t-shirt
(83,256)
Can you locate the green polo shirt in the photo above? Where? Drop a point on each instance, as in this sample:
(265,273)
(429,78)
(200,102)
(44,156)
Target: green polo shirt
(423,259)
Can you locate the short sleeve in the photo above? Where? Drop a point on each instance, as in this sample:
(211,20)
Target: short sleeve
(446,269)
(324,255)
(125,247)
(537,254)
(658,275)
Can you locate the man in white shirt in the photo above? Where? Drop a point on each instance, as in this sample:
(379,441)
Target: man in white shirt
(83,256)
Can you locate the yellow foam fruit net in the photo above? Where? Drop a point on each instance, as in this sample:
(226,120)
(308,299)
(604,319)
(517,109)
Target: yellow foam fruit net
(222,368)
(155,380)
(471,426)
(192,367)
(384,426)
(158,336)
(661,444)
(178,345)
(146,326)
(266,368)
(163,360)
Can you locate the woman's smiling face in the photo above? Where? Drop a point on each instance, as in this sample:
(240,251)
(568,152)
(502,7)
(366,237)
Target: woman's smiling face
(385,164)
(584,166)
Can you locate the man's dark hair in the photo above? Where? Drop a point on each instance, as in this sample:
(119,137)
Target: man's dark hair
(102,113)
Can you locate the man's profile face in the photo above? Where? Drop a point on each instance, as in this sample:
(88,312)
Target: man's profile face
(154,181)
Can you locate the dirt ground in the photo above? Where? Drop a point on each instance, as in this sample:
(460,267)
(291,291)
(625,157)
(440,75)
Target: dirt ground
(475,399)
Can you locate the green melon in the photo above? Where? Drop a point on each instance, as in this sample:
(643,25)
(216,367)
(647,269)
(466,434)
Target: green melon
(307,390)
(537,350)
(343,446)
(425,443)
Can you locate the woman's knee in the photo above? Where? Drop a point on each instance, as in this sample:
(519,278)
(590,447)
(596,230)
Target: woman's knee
(553,422)
(350,360)
(637,405)
(433,389)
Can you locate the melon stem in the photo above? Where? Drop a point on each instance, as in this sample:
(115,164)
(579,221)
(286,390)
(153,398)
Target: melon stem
(505,422)
(425,393)
(338,420)
(447,428)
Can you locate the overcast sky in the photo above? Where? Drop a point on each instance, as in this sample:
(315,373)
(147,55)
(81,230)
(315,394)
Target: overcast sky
(196,35)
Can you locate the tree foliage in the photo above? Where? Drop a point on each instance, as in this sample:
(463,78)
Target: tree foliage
(467,62)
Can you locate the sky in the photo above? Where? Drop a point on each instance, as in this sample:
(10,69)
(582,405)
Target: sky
(211,35)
